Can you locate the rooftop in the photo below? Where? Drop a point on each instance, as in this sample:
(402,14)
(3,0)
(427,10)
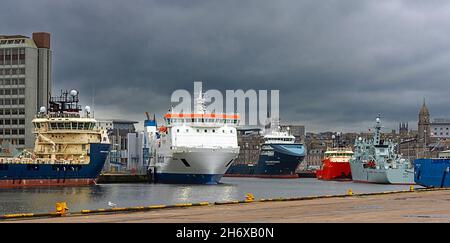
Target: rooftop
(117,121)
(13,37)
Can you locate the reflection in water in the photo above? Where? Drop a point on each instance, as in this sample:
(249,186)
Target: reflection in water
(127,195)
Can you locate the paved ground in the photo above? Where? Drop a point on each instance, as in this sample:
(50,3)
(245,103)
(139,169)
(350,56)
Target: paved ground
(432,206)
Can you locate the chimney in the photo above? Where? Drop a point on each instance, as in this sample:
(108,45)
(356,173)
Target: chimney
(42,39)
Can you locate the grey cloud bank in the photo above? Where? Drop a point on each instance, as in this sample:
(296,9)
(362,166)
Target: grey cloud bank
(336,63)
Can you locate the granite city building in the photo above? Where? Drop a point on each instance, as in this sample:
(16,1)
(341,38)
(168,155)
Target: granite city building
(25,85)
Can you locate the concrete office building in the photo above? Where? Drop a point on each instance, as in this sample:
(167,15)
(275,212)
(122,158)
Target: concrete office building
(440,128)
(25,85)
(118,131)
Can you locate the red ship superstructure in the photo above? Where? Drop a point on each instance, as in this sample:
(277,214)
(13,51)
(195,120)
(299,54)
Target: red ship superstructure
(336,165)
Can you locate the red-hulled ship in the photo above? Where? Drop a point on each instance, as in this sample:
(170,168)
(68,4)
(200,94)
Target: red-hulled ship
(336,165)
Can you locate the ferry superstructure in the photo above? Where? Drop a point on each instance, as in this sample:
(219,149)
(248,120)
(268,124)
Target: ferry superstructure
(375,161)
(195,148)
(69,149)
(279,157)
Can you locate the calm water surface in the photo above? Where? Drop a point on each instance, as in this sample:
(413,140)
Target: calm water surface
(126,195)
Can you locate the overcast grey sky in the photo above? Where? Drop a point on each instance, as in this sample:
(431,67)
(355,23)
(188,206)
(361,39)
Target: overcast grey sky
(337,64)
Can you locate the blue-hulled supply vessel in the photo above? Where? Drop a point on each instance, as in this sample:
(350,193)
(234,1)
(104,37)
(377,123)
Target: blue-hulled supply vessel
(433,172)
(279,157)
(69,148)
(375,161)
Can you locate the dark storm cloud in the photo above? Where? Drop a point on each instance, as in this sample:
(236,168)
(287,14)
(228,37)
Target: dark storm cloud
(336,63)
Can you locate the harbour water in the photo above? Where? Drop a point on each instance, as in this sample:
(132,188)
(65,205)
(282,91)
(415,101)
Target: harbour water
(43,199)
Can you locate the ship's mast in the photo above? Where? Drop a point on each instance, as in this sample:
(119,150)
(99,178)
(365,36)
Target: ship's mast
(199,105)
(377,133)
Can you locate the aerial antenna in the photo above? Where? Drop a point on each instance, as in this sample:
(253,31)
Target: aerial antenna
(93,98)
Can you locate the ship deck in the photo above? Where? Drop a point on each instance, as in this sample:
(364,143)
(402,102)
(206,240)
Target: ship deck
(401,207)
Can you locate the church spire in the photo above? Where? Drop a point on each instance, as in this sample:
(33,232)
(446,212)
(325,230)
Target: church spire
(424,110)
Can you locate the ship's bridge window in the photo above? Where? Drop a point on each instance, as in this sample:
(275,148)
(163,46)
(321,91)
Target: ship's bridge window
(53,125)
(67,125)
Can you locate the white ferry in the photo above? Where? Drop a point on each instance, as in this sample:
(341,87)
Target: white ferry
(195,148)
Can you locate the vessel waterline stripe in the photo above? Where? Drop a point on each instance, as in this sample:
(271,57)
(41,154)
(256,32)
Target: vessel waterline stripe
(186,205)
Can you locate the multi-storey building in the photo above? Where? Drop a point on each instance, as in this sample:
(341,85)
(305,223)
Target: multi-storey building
(249,141)
(440,128)
(25,85)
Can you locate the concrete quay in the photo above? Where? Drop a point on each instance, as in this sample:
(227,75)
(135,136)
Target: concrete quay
(409,207)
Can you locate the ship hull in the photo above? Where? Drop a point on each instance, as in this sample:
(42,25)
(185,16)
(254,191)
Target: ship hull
(399,176)
(25,175)
(334,171)
(432,172)
(275,161)
(195,165)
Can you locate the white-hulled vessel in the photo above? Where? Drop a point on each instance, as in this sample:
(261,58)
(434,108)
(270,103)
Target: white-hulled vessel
(195,148)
